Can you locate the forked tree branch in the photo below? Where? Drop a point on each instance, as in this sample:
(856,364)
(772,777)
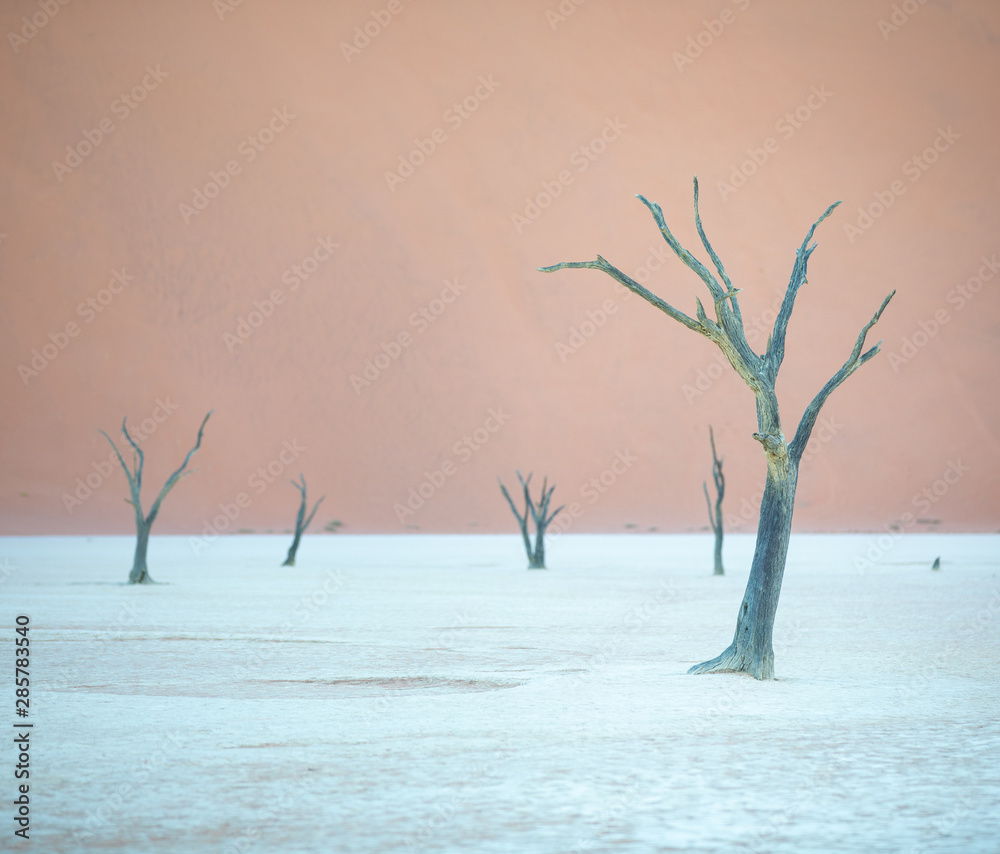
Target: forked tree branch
(137,453)
(542,517)
(727,331)
(759,373)
(522,521)
(731,292)
(538,513)
(728,317)
(775,353)
(632,285)
(302,525)
(715,516)
(177,475)
(134,477)
(854,361)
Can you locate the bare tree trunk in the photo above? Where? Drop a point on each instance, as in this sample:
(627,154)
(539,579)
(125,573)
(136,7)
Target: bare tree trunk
(140,573)
(751,651)
(538,558)
(715,516)
(301,522)
(290,559)
(540,515)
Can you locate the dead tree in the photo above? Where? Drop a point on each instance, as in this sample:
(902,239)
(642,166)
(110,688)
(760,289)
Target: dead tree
(715,516)
(539,514)
(751,651)
(140,573)
(301,522)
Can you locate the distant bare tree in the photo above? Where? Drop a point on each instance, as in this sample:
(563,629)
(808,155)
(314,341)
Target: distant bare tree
(751,650)
(301,522)
(539,514)
(140,573)
(715,516)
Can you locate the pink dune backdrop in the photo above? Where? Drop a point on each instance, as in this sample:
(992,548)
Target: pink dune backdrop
(323,222)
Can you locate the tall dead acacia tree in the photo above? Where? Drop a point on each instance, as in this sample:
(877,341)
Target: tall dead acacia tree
(539,514)
(140,573)
(715,516)
(301,522)
(751,651)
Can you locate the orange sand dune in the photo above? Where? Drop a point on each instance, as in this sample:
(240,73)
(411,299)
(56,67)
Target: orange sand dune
(323,221)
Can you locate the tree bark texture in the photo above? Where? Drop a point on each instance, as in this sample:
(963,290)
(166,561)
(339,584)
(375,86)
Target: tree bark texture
(715,515)
(751,651)
(301,521)
(539,514)
(139,573)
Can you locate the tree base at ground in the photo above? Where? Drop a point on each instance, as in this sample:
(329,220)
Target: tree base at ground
(758,665)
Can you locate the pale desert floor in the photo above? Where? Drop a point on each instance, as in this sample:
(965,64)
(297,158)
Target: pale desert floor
(427,693)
